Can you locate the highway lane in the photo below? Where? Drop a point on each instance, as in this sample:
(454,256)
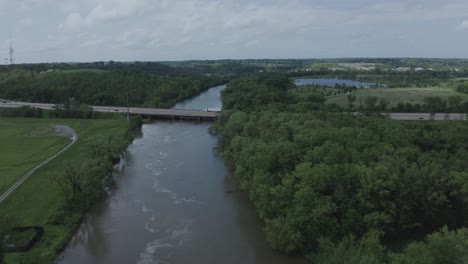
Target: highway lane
(427,116)
(117,109)
(201,113)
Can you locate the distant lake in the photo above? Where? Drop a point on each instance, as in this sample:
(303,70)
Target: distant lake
(331,82)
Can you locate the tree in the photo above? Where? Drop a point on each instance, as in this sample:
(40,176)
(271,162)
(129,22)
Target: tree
(351,250)
(72,181)
(442,247)
(370,104)
(351,100)
(383,103)
(454,103)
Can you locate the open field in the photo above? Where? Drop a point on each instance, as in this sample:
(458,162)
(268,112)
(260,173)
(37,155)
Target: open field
(39,198)
(24,145)
(80,71)
(398,95)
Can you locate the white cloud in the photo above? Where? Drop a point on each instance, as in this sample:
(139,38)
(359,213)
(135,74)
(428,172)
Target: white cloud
(104,11)
(92,43)
(115,9)
(74,21)
(463,25)
(204,29)
(26,21)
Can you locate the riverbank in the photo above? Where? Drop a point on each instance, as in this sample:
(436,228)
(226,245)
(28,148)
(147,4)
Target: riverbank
(336,186)
(45,200)
(174,201)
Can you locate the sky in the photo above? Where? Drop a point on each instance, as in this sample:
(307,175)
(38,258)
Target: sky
(161,30)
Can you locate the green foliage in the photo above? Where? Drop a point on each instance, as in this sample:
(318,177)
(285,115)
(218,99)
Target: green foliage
(24,111)
(349,250)
(337,176)
(135,123)
(443,247)
(81,184)
(40,201)
(410,99)
(462,87)
(109,88)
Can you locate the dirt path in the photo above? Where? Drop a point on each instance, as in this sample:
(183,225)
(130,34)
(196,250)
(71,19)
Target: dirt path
(63,131)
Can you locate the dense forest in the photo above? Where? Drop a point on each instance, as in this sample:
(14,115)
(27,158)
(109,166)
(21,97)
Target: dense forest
(342,188)
(109,86)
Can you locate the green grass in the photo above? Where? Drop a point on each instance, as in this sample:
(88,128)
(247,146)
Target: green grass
(80,71)
(20,238)
(24,145)
(40,197)
(399,95)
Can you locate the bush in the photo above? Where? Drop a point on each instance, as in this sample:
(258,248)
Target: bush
(439,248)
(368,250)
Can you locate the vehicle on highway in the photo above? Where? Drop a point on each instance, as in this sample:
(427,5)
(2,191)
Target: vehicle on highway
(212,110)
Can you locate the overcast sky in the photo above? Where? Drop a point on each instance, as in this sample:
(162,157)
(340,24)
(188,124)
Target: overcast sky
(155,30)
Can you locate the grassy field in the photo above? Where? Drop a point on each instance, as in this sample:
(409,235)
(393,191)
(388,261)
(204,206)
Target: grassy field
(80,71)
(40,197)
(24,145)
(398,95)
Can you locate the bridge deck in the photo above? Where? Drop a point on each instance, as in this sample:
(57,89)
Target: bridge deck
(199,114)
(153,112)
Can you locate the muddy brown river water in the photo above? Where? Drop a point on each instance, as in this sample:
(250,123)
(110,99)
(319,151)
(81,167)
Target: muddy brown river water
(174,201)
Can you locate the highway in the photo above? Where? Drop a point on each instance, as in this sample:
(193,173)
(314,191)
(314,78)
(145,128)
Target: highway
(156,112)
(176,113)
(427,116)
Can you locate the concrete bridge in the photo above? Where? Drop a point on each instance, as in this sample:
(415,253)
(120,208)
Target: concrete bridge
(149,112)
(207,115)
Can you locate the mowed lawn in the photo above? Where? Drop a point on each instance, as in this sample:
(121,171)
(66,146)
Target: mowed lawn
(23,145)
(39,198)
(398,95)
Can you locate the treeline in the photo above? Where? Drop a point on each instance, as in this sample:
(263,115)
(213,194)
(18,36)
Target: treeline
(106,88)
(218,67)
(136,67)
(82,183)
(327,183)
(70,109)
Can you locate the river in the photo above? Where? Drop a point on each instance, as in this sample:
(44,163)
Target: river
(174,201)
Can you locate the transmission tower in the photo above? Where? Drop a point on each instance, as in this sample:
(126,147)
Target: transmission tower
(12,52)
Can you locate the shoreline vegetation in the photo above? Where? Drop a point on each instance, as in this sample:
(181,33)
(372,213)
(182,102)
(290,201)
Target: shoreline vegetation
(336,188)
(59,195)
(137,87)
(341,188)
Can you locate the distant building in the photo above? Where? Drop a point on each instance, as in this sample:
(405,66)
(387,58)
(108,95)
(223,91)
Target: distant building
(402,69)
